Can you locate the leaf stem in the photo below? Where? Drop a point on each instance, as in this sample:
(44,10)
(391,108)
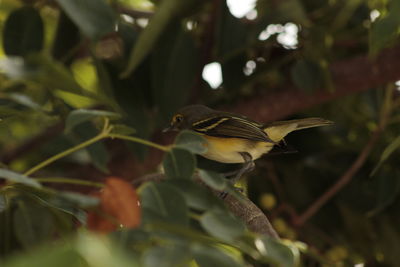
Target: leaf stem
(65,153)
(105,133)
(140,141)
(69,181)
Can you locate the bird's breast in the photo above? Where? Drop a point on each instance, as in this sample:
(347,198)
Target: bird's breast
(226,150)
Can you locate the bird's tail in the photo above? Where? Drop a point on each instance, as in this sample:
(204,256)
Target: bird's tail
(279,129)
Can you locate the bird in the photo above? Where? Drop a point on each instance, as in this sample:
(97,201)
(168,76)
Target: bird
(234,138)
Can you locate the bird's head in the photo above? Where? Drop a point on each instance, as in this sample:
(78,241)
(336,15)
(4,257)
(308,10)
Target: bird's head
(186,116)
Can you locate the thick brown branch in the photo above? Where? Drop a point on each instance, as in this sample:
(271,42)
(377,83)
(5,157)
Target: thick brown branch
(245,209)
(251,215)
(349,76)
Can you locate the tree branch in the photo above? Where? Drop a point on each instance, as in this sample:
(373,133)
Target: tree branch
(357,164)
(340,183)
(349,76)
(251,215)
(245,209)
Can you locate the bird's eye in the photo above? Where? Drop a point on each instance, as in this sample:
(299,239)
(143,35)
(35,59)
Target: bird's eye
(178,118)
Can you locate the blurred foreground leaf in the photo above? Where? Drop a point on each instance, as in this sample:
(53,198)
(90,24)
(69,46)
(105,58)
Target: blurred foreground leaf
(174,68)
(80,200)
(213,179)
(222,224)
(212,256)
(85,249)
(163,202)
(191,141)
(79,116)
(94,18)
(166,256)
(166,13)
(385,29)
(42,70)
(196,195)
(277,252)
(18,178)
(179,163)
(23,32)
(3,202)
(33,224)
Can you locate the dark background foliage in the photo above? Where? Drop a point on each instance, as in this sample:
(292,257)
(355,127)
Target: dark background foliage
(136,62)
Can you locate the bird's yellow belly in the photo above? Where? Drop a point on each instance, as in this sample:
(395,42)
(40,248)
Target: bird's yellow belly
(227,150)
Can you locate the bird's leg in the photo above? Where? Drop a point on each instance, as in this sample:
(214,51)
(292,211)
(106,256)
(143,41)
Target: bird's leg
(247,166)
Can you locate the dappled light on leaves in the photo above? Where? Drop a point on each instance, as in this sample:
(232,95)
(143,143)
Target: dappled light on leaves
(86,86)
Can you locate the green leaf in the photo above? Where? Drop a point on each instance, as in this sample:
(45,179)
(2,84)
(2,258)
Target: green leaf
(231,41)
(24,100)
(387,190)
(179,163)
(168,256)
(85,250)
(385,29)
(222,224)
(382,33)
(51,255)
(97,251)
(122,129)
(167,12)
(307,75)
(212,256)
(99,156)
(231,33)
(3,202)
(129,237)
(66,205)
(23,32)
(174,69)
(166,202)
(42,70)
(97,151)
(94,18)
(80,200)
(79,116)
(191,141)
(33,223)
(212,179)
(218,182)
(392,147)
(18,178)
(277,252)
(196,195)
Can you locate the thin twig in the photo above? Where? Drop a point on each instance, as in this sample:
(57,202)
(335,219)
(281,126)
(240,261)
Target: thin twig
(357,164)
(340,183)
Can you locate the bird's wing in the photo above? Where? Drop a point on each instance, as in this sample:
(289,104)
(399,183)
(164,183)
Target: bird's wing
(231,126)
(279,129)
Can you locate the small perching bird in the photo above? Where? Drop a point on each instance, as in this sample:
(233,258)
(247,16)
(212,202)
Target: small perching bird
(233,138)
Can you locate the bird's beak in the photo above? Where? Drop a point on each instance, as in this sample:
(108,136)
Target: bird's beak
(169,129)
